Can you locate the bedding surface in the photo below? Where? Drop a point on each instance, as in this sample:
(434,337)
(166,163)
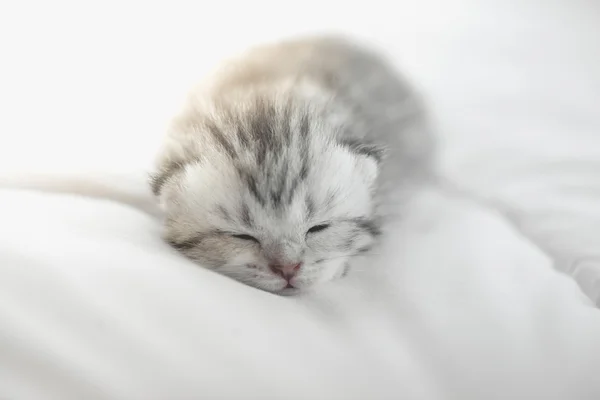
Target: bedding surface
(456,305)
(487,292)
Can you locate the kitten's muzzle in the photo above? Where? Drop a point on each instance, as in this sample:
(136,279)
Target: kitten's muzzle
(287,271)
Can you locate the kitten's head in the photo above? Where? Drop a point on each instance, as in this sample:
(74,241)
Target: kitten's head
(280,213)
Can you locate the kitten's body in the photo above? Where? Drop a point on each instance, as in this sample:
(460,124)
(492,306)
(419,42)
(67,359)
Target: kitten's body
(281,142)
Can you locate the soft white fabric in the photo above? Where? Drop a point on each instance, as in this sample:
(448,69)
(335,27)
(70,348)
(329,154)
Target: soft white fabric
(456,305)
(462,302)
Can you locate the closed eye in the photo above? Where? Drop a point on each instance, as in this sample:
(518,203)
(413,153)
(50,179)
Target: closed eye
(246,237)
(318,228)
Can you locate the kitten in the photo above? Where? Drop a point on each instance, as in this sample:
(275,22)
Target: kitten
(279,169)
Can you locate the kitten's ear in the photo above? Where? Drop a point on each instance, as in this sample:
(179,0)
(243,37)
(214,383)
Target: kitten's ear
(163,175)
(170,163)
(358,147)
(368,156)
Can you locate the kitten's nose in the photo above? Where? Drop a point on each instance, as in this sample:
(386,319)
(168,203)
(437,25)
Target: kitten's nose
(287,271)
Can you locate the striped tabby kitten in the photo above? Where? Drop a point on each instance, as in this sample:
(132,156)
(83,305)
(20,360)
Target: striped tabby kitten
(280,167)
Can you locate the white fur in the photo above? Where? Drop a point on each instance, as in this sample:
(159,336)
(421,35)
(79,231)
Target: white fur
(271,122)
(193,199)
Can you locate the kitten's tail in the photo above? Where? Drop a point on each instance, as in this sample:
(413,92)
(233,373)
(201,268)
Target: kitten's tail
(126,188)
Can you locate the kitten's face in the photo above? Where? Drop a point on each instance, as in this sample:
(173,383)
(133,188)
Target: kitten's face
(283,230)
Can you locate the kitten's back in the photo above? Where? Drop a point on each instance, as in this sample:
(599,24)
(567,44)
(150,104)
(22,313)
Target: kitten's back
(380,105)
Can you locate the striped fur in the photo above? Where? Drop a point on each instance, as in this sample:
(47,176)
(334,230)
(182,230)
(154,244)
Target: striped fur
(288,137)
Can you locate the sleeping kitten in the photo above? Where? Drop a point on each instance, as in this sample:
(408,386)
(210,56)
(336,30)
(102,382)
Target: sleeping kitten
(282,164)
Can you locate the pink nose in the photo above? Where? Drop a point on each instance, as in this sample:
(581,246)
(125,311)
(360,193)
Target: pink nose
(287,271)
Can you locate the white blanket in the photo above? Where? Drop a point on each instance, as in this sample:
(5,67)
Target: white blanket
(457,306)
(462,302)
